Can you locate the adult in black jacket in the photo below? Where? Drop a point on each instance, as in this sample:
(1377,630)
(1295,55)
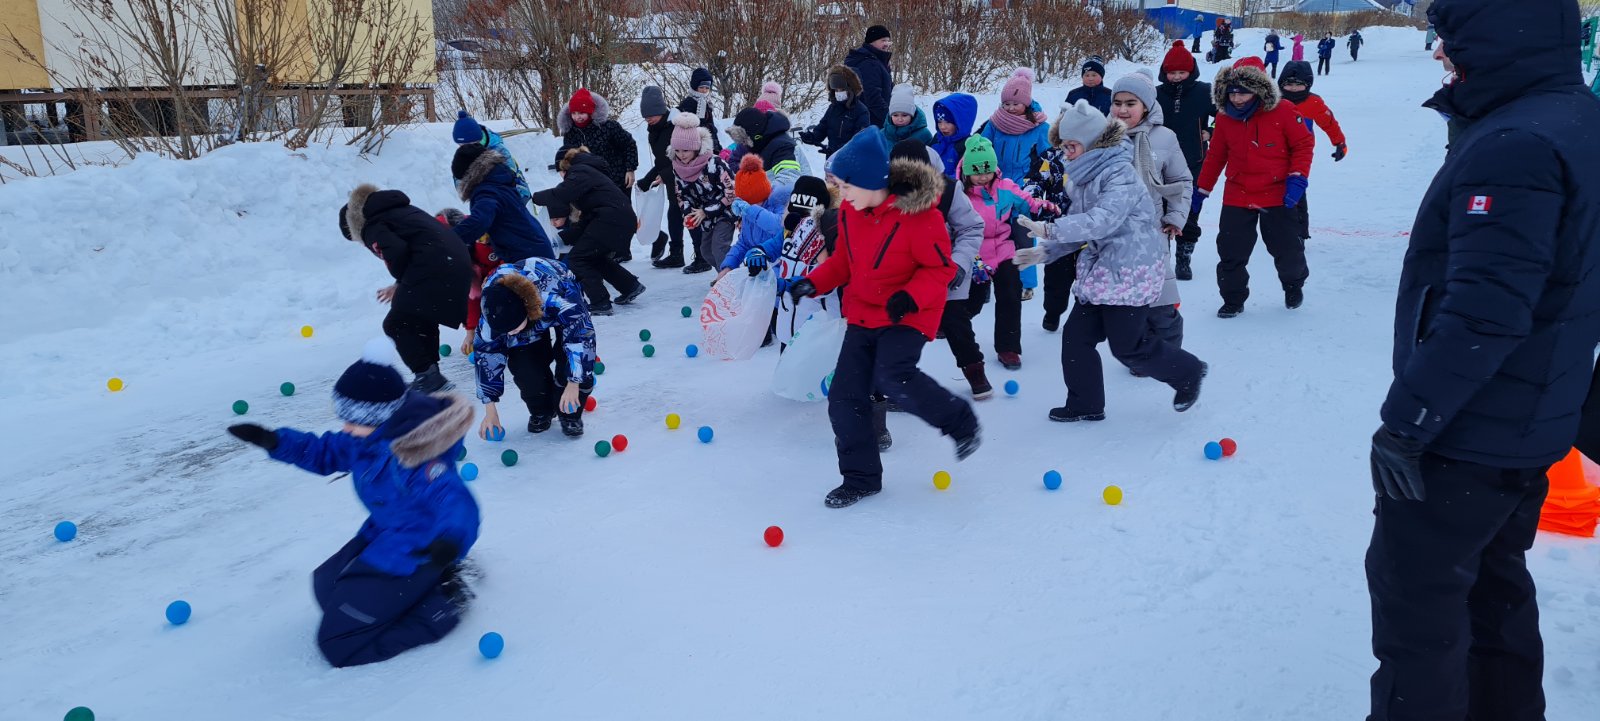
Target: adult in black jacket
(431,268)
(668,249)
(1190,113)
(597,220)
(698,103)
(587,123)
(871,64)
(766,133)
(487,183)
(1495,329)
(846,114)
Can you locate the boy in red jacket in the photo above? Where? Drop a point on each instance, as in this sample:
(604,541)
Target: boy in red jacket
(894,252)
(1295,84)
(1267,152)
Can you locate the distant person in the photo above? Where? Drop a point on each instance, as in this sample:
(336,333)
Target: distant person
(847,113)
(1199,31)
(1298,52)
(1355,45)
(667,250)
(871,63)
(1272,46)
(1325,48)
(1094,87)
(467,131)
(1189,111)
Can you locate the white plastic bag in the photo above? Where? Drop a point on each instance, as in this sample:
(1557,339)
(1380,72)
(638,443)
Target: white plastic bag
(550,231)
(650,207)
(804,367)
(736,313)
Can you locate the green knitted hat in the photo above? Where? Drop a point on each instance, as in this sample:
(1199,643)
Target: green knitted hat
(979,157)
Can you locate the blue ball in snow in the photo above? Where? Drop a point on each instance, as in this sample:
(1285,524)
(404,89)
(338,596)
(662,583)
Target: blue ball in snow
(1214,450)
(692,351)
(469,471)
(705,434)
(66,531)
(1052,480)
(1012,388)
(178,612)
(491,644)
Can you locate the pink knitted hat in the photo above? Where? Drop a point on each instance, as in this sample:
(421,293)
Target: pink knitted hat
(772,93)
(686,133)
(1019,87)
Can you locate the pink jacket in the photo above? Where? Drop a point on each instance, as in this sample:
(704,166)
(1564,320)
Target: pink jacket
(998,203)
(1299,50)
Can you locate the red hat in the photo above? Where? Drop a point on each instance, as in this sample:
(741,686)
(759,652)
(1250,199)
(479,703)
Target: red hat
(1250,61)
(581,102)
(1179,58)
(750,184)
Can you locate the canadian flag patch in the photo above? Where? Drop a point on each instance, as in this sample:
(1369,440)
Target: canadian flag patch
(1479,205)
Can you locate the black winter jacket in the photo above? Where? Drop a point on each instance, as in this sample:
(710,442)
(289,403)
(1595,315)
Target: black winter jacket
(431,267)
(1188,109)
(839,124)
(877,82)
(660,138)
(605,138)
(1498,312)
(603,216)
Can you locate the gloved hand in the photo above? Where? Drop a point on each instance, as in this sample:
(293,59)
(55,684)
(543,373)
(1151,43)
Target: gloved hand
(642,186)
(252,433)
(802,288)
(755,261)
(981,273)
(739,206)
(960,279)
(1036,228)
(1033,190)
(1397,465)
(1028,257)
(900,305)
(1339,151)
(1294,190)
(442,552)
(1197,200)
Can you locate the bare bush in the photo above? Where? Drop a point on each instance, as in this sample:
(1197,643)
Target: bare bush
(954,43)
(1315,25)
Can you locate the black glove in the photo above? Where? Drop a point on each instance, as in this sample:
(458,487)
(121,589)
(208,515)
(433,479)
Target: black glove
(1397,466)
(1339,152)
(252,433)
(802,288)
(900,305)
(960,279)
(442,552)
(643,186)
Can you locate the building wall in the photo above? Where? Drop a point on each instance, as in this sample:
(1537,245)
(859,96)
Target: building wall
(59,18)
(423,71)
(21,18)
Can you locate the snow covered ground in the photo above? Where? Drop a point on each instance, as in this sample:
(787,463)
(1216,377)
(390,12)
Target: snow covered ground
(638,586)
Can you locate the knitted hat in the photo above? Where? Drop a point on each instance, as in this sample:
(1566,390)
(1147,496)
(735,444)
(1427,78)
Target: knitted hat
(1179,58)
(371,389)
(581,102)
(1094,65)
(876,33)
(809,193)
(651,102)
(686,132)
(765,105)
(1140,85)
(1251,61)
(1019,87)
(864,161)
(772,93)
(700,78)
(465,154)
(750,184)
(753,122)
(466,130)
(979,157)
(903,100)
(1081,122)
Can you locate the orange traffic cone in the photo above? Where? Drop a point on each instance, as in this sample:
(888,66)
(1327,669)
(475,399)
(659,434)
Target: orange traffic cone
(1572,506)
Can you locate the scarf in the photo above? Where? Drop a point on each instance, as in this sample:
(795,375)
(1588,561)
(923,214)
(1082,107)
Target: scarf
(701,100)
(691,171)
(1141,157)
(1242,114)
(1296,98)
(1016,124)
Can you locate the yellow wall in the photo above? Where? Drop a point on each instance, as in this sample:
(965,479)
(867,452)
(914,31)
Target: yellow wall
(21,18)
(422,72)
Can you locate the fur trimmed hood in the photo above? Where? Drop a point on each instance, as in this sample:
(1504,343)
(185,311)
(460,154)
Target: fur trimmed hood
(1116,131)
(355,210)
(1254,80)
(528,291)
(916,184)
(479,171)
(852,81)
(602,113)
(433,436)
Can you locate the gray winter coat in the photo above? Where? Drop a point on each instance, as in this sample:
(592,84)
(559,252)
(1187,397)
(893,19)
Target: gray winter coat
(1160,161)
(966,237)
(1124,258)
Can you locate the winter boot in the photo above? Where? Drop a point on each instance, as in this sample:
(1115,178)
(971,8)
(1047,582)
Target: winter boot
(1011,361)
(672,260)
(698,266)
(978,380)
(968,445)
(880,423)
(572,425)
(430,380)
(1230,310)
(632,295)
(1189,393)
(1052,322)
(844,496)
(659,248)
(1293,298)
(1185,252)
(602,310)
(538,424)
(1027,294)
(1064,415)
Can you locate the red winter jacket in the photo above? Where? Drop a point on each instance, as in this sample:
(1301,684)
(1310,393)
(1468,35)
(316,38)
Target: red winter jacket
(902,244)
(1260,153)
(1314,109)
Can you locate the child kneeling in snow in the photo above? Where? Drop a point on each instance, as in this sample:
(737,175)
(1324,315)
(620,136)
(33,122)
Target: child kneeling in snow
(395,586)
(1121,269)
(894,252)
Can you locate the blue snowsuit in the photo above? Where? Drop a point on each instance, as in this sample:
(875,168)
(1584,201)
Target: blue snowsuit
(960,110)
(761,227)
(564,312)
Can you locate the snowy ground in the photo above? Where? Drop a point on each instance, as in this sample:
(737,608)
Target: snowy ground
(637,586)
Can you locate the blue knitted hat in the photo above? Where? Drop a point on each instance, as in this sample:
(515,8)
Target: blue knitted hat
(467,130)
(371,389)
(864,161)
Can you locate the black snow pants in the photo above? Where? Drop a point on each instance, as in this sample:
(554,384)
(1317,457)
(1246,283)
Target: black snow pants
(415,338)
(1127,330)
(1236,240)
(541,372)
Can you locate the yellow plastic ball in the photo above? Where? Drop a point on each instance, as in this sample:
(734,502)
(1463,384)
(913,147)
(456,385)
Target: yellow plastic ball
(1112,494)
(672,421)
(115,384)
(305,331)
(941,480)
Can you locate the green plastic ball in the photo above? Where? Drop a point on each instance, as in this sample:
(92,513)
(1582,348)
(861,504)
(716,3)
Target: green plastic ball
(462,455)
(81,713)
(602,448)
(286,389)
(509,457)
(649,351)
(241,407)
(444,350)
(687,312)
(599,368)
(644,335)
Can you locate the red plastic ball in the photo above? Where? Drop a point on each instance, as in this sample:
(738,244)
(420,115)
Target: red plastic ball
(590,405)
(773,536)
(1229,446)
(619,442)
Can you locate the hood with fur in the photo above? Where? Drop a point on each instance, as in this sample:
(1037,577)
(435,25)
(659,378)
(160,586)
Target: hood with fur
(1255,80)
(917,185)
(366,201)
(479,171)
(602,113)
(1116,131)
(429,427)
(852,81)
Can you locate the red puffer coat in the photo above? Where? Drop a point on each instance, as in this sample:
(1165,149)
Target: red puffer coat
(900,245)
(1260,152)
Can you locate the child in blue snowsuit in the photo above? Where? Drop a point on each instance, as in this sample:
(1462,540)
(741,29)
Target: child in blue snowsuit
(535,324)
(395,586)
(467,131)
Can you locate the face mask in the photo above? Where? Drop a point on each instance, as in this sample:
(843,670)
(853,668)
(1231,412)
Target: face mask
(841,95)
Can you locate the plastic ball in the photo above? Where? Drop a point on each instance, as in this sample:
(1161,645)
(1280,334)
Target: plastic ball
(941,480)
(178,612)
(1052,480)
(673,421)
(599,368)
(241,407)
(827,382)
(773,536)
(287,388)
(602,448)
(79,713)
(66,531)
(692,351)
(472,357)
(649,351)
(509,457)
(469,471)
(1112,495)
(644,334)
(619,442)
(591,404)
(705,434)
(444,350)
(114,385)
(462,455)
(495,433)
(1229,447)
(306,331)
(687,311)
(1012,387)
(491,645)
(1213,450)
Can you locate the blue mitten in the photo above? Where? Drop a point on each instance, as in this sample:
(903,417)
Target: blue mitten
(1294,190)
(1197,200)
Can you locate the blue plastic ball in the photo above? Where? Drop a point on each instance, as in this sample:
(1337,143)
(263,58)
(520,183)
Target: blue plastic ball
(178,612)
(469,471)
(1012,388)
(827,383)
(496,433)
(1214,450)
(491,644)
(692,351)
(705,434)
(1052,480)
(66,531)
